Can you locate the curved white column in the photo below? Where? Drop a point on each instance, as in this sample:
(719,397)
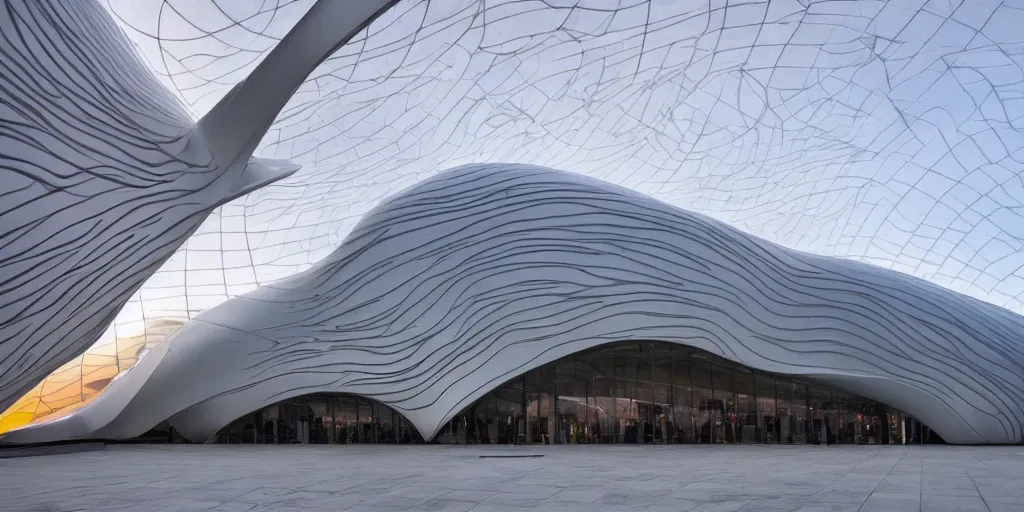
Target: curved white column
(104,174)
(484,272)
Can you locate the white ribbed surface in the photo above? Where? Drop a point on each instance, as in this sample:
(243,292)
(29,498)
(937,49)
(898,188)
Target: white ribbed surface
(482,273)
(104,174)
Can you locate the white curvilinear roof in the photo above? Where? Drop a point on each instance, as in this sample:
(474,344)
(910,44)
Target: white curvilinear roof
(888,132)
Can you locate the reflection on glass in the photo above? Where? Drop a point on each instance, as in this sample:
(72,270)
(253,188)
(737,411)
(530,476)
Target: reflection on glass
(659,393)
(623,393)
(767,409)
(683,401)
(321,419)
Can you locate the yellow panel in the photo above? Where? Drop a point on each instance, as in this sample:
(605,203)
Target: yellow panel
(12,419)
(79,381)
(22,412)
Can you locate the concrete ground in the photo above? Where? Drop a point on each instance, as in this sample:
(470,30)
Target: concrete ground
(455,479)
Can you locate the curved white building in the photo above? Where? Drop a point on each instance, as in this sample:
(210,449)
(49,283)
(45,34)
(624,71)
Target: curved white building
(801,136)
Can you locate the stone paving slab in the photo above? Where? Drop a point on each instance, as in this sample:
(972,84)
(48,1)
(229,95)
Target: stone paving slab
(236,478)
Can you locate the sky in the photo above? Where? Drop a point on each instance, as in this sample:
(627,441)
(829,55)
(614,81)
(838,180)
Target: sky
(887,132)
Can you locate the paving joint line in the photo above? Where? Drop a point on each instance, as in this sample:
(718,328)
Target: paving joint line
(887,473)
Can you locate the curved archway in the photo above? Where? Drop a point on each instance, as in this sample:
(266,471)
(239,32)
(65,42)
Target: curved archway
(321,418)
(624,392)
(652,392)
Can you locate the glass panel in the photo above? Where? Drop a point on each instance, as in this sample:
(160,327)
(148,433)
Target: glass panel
(798,414)
(725,401)
(346,428)
(576,410)
(566,405)
(683,405)
(894,419)
(271,419)
(662,394)
(605,406)
(366,432)
(746,406)
(768,427)
(784,406)
(635,392)
(533,425)
(629,413)
(485,412)
(709,411)
(509,418)
(643,393)
(317,428)
(874,424)
(848,433)
(815,415)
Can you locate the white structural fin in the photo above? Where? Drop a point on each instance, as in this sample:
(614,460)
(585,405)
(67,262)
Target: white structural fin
(235,125)
(104,174)
(260,172)
(482,273)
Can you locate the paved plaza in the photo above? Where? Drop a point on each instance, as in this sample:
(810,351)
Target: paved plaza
(438,478)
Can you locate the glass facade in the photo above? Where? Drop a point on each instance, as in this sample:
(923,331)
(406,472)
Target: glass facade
(322,419)
(623,393)
(660,393)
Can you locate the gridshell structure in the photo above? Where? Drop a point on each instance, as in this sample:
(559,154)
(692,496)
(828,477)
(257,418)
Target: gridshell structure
(882,132)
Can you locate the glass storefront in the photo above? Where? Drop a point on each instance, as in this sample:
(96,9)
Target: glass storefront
(622,393)
(660,393)
(319,419)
